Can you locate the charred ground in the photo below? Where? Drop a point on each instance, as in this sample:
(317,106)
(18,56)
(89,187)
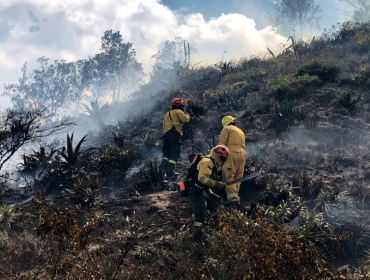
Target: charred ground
(99,209)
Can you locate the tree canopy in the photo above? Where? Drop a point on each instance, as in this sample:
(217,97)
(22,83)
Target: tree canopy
(290,14)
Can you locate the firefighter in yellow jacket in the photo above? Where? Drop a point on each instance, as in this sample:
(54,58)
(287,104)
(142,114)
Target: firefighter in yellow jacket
(233,169)
(172,130)
(200,194)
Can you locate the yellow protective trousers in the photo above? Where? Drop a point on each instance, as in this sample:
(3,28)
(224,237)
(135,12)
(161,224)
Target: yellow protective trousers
(234,169)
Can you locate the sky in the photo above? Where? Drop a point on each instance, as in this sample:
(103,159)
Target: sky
(71,29)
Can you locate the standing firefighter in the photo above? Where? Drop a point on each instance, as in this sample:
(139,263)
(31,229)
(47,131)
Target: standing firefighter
(233,169)
(172,129)
(201,180)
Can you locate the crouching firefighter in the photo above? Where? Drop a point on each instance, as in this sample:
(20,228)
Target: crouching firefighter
(201,177)
(172,130)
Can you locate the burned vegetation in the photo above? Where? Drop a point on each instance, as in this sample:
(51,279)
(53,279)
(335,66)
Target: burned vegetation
(93,204)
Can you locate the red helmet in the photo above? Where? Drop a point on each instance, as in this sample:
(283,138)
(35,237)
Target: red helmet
(178,102)
(221,151)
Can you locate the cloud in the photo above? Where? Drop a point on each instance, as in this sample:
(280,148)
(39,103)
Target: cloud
(71,29)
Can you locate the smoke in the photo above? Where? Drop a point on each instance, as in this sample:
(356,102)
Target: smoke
(72,30)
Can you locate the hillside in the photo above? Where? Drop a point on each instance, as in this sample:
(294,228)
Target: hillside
(100,210)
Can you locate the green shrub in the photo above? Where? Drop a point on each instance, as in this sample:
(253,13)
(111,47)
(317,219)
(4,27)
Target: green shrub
(233,99)
(84,190)
(148,141)
(283,115)
(291,84)
(115,160)
(327,71)
(238,247)
(348,102)
(7,215)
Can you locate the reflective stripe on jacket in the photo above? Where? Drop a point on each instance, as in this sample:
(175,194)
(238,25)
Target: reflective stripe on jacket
(178,119)
(205,168)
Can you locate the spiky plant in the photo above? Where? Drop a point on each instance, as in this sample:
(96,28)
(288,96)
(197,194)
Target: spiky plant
(120,126)
(148,141)
(272,193)
(332,196)
(37,159)
(84,190)
(155,176)
(314,228)
(115,160)
(233,99)
(70,154)
(97,110)
(348,102)
(305,183)
(7,215)
(283,113)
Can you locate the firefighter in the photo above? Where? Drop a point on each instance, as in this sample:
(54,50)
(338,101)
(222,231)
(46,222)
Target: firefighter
(172,130)
(233,169)
(200,194)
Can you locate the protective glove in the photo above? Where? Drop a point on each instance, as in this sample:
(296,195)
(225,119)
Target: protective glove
(220,185)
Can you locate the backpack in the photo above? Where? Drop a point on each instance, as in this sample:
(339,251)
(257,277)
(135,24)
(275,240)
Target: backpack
(192,175)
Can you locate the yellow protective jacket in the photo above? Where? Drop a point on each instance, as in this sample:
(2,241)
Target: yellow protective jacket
(205,168)
(233,137)
(178,119)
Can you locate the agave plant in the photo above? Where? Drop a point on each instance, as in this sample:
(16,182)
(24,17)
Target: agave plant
(233,99)
(37,159)
(332,196)
(314,229)
(114,160)
(97,111)
(84,190)
(348,102)
(148,141)
(69,154)
(283,113)
(7,215)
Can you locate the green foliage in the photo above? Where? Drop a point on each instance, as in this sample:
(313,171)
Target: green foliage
(7,215)
(282,116)
(314,228)
(115,69)
(305,184)
(84,190)
(120,138)
(348,102)
(148,141)
(232,99)
(237,247)
(290,84)
(329,197)
(272,194)
(327,71)
(52,86)
(116,161)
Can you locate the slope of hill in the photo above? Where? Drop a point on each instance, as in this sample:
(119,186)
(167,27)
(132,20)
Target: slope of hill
(306,119)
